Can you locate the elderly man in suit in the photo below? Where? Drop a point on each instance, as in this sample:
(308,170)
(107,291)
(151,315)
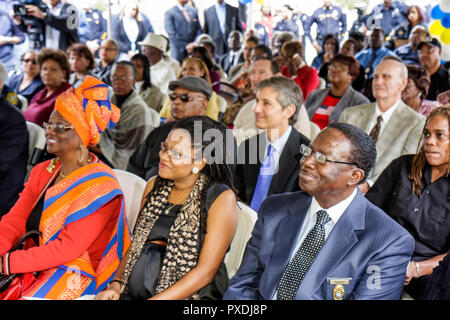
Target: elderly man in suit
(326,241)
(395,127)
(220,20)
(267,162)
(182,27)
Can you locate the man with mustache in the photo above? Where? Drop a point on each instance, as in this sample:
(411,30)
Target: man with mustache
(326,241)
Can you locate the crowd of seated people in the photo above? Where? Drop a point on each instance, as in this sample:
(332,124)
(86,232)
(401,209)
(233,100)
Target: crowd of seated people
(355,145)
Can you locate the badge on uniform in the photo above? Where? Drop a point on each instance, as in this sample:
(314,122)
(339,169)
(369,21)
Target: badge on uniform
(338,290)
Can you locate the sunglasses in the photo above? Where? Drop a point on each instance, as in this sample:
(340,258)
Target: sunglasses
(183,97)
(33,61)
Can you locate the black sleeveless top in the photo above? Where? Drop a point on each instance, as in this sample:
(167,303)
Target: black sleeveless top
(144,276)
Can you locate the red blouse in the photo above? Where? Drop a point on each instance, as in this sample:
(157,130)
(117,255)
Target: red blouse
(90,234)
(306,78)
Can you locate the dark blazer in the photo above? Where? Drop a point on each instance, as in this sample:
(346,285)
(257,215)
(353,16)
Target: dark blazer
(180,31)
(365,246)
(13,154)
(68,34)
(225,63)
(350,98)
(233,22)
(118,34)
(29,92)
(247,169)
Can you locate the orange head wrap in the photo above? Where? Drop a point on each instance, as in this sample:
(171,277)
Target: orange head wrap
(89,110)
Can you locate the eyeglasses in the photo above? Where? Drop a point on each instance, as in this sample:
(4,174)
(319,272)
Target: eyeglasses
(183,97)
(172,153)
(33,61)
(114,78)
(56,127)
(333,67)
(426,50)
(319,157)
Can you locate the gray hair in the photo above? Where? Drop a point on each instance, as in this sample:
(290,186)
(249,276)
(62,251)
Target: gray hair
(3,75)
(113,42)
(404,71)
(288,93)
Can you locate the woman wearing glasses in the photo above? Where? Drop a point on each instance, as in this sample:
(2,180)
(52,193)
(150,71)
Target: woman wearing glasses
(324,106)
(186,224)
(55,72)
(74,200)
(28,82)
(414,191)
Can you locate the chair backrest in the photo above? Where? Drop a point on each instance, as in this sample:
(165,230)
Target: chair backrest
(247,219)
(36,143)
(133,188)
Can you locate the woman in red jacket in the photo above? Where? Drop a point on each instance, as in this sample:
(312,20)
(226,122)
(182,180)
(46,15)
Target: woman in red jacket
(75,202)
(306,77)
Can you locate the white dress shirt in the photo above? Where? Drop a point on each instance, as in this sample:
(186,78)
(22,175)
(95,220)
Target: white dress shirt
(277,146)
(52,34)
(335,212)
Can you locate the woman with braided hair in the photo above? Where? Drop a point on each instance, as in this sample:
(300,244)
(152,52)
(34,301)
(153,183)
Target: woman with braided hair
(414,191)
(187,220)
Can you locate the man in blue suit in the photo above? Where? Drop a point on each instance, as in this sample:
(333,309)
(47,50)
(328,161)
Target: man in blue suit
(327,241)
(220,20)
(182,27)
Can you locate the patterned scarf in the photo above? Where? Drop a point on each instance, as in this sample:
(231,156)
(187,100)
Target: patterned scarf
(182,246)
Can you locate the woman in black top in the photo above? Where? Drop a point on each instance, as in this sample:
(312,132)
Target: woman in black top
(187,221)
(414,191)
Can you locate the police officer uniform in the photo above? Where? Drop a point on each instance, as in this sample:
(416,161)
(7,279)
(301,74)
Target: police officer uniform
(329,20)
(96,26)
(386,19)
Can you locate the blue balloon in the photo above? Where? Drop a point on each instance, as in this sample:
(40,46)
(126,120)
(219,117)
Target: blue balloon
(437,13)
(445,21)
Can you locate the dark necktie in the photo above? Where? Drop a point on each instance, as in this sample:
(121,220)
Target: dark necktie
(303,258)
(369,68)
(376,129)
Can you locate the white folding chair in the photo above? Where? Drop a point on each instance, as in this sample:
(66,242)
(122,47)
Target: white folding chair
(133,188)
(36,143)
(247,219)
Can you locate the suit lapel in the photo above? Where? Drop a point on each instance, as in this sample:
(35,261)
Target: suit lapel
(340,241)
(286,163)
(394,126)
(258,146)
(285,240)
(364,118)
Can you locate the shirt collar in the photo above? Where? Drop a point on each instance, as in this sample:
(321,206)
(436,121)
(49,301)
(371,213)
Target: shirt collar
(181,7)
(388,113)
(279,144)
(335,212)
(221,6)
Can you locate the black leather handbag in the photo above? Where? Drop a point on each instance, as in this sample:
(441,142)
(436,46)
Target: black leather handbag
(5,280)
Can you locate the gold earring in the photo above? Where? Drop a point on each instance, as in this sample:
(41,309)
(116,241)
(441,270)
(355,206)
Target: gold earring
(80,157)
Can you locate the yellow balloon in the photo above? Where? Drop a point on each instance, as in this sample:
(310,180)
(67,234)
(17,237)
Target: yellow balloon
(445,36)
(436,28)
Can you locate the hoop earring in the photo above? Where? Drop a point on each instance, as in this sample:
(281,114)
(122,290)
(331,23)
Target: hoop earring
(195,170)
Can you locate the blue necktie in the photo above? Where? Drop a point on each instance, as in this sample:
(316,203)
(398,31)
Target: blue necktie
(266,172)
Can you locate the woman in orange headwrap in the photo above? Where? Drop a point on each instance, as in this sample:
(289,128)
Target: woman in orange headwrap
(74,200)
